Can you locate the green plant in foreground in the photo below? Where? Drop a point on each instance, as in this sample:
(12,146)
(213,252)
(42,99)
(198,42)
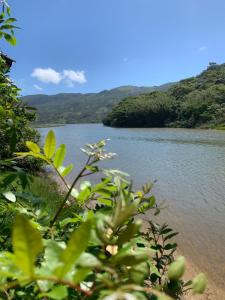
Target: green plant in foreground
(98,250)
(7,24)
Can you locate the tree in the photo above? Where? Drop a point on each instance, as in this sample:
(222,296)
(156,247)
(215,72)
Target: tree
(15,116)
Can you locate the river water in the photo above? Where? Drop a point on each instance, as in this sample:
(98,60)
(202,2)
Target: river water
(189,166)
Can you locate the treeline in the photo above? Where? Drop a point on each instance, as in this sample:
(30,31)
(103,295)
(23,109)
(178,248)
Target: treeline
(69,108)
(194,102)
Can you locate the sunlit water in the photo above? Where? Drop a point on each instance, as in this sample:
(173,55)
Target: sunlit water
(189,166)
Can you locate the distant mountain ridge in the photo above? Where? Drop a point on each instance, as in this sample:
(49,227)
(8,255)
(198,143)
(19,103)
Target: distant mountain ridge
(69,108)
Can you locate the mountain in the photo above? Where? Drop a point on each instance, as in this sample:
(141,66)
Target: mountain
(194,102)
(82,108)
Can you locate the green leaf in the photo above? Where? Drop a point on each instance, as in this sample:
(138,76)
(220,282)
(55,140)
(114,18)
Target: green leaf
(84,195)
(170,236)
(199,284)
(139,273)
(7,27)
(36,155)
(76,246)
(10,20)
(65,171)
(147,204)
(81,274)
(2,111)
(52,253)
(129,232)
(60,156)
(106,202)
(9,196)
(10,39)
(58,293)
(170,246)
(27,244)
(126,256)
(50,145)
(8,10)
(177,269)
(66,221)
(87,260)
(153,269)
(33,147)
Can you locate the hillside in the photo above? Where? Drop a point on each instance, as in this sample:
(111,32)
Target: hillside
(194,102)
(82,108)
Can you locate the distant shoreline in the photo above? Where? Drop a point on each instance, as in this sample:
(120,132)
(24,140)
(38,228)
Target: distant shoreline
(65,124)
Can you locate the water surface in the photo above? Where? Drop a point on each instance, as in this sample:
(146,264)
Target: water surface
(189,166)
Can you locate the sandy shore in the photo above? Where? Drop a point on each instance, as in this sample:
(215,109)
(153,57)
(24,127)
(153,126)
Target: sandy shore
(212,292)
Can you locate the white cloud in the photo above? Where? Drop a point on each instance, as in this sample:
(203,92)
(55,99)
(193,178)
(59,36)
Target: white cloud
(49,75)
(202,49)
(74,77)
(37,87)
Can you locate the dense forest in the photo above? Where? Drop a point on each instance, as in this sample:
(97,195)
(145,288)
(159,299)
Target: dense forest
(69,108)
(194,102)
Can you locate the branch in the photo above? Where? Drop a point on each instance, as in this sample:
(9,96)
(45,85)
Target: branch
(67,196)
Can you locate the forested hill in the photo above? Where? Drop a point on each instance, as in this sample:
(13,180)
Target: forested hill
(194,102)
(82,108)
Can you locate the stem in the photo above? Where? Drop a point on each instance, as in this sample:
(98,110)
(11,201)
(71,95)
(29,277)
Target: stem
(61,177)
(67,196)
(64,282)
(68,283)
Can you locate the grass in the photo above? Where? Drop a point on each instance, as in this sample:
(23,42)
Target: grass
(44,187)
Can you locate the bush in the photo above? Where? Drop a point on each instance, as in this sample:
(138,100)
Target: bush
(15,117)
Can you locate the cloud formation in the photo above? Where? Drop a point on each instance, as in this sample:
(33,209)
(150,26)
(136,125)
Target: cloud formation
(75,76)
(49,75)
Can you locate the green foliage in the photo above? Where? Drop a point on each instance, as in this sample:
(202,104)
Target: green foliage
(27,244)
(7,24)
(93,245)
(148,110)
(15,117)
(177,269)
(199,284)
(194,102)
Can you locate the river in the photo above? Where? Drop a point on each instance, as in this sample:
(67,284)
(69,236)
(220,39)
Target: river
(189,166)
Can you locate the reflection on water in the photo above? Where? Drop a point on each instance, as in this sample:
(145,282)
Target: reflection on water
(212,142)
(189,166)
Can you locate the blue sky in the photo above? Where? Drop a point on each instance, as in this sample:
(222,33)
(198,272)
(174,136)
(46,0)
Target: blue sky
(92,45)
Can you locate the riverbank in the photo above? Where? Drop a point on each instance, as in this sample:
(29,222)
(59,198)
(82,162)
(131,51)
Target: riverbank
(50,125)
